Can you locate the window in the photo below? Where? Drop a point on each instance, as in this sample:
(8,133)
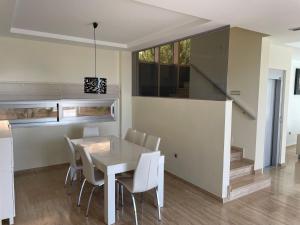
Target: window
(164,70)
(166,54)
(147,55)
(86,111)
(39,113)
(27,113)
(82,111)
(180,69)
(184,52)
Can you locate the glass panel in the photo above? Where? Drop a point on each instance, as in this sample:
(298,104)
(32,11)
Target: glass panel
(148,79)
(168,80)
(184,52)
(166,54)
(27,113)
(184,76)
(209,56)
(147,55)
(184,82)
(80,111)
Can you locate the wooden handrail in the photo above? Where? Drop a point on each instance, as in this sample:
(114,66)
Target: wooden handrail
(228,96)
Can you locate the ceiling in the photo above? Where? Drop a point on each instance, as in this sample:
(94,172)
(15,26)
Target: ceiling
(123,23)
(273,17)
(129,24)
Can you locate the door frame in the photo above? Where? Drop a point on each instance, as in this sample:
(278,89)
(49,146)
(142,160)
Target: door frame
(278,74)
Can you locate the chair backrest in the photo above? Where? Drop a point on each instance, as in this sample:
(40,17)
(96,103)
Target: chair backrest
(146,173)
(152,142)
(130,135)
(135,136)
(87,165)
(71,152)
(139,138)
(90,132)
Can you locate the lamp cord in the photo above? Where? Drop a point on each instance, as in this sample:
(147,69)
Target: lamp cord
(95,51)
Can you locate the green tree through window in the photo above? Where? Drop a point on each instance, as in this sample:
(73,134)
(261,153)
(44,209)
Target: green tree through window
(184,52)
(147,55)
(166,54)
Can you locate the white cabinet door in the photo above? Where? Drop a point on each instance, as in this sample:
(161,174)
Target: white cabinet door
(6,195)
(6,154)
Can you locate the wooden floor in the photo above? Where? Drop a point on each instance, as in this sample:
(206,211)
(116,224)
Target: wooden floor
(42,200)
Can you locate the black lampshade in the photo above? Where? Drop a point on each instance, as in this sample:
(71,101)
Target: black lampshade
(102,85)
(91,85)
(95,85)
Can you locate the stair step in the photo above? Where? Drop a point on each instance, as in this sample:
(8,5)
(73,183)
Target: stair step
(239,168)
(236,153)
(248,184)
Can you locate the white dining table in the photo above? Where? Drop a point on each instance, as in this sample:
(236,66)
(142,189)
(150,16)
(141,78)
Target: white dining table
(113,155)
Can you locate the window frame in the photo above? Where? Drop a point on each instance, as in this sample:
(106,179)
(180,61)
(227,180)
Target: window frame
(87,103)
(59,119)
(175,61)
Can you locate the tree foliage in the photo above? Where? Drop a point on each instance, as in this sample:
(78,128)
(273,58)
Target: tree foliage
(166,54)
(147,55)
(184,52)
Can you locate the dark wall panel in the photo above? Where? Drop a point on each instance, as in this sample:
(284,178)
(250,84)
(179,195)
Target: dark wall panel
(148,79)
(209,54)
(168,81)
(205,78)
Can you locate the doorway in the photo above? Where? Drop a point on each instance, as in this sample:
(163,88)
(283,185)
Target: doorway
(273,134)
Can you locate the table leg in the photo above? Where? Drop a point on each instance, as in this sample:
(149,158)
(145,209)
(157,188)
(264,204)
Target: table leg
(109,199)
(161,174)
(11,221)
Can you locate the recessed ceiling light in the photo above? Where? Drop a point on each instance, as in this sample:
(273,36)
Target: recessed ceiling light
(295,29)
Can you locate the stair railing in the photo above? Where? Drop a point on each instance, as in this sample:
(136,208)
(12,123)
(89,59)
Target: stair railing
(240,105)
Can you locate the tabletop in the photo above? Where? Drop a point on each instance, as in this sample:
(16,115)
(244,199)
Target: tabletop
(112,151)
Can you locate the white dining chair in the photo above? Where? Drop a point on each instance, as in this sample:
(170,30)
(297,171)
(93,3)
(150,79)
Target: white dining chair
(75,164)
(130,135)
(91,174)
(90,131)
(152,142)
(135,136)
(139,138)
(145,178)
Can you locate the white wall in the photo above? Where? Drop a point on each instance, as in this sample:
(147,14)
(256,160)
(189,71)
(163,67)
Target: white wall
(262,101)
(244,75)
(42,61)
(126,91)
(198,131)
(280,57)
(294,103)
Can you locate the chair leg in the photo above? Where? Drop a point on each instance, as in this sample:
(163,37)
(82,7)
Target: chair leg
(122,195)
(88,207)
(72,178)
(158,204)
(66,179)
(80,193)
(134,209)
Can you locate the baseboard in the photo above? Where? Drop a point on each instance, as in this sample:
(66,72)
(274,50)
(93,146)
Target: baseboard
(221,200)
(258,172)
(291,147)
(40,169)
(282,164)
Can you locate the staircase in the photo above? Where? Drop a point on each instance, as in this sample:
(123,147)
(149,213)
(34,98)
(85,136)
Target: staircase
(243,181)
